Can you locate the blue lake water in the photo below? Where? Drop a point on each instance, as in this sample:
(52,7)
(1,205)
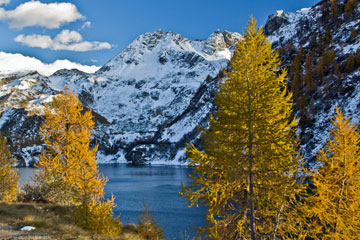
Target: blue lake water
(156,186)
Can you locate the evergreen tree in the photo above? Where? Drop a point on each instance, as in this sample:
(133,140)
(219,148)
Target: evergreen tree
(68,166)
(308,77)
(337,72)
(353,34)
(312,42)
(245,173)
(296,73)
(357,59)
(320,44)
(303,105)
(332,211)
(9,178)
(350,7)
(328,37)
(331,57)
(334,10)
(324,8)
(350,63)
(320,68)
(326,62)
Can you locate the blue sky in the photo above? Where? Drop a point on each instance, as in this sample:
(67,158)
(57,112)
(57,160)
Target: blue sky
(93,31)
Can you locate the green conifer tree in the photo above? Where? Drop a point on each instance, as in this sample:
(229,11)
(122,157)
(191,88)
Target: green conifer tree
(245,173)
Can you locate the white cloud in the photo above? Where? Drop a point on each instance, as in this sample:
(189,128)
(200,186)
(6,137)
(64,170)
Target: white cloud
(86,25)
(10,63)
(35,13)
(66,40)
(4,2)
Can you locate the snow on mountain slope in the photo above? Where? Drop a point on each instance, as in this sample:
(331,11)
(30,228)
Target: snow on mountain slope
(150,100)
(152,54)
(319,31)
(149,84)
(21,104)
(287,26)
(147,101)
(157,74)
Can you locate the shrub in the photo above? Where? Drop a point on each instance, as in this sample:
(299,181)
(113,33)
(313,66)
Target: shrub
(97,217)
(9,178)
(148,228)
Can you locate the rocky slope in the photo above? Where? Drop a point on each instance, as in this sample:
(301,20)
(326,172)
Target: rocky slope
(150,100)
(320,48)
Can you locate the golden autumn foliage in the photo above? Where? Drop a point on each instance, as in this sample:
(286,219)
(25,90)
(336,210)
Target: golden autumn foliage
(69,174)
(97,217)
(9,178)
(246,173)
(148,228)
(332,210)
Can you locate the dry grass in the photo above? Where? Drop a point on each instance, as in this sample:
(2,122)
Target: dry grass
(50,221)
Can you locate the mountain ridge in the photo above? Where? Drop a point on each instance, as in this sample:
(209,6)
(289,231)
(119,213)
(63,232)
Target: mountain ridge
(316,46)
(138,103)
(151,99)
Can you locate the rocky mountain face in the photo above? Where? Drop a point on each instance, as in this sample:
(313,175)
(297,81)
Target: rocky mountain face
(320,48)
(151,99)
(148,101)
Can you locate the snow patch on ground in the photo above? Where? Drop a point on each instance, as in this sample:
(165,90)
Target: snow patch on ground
(28,228)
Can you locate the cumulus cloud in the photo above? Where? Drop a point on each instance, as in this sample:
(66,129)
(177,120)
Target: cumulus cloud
(10,63)
(4,2)
(66,40)
(35,13)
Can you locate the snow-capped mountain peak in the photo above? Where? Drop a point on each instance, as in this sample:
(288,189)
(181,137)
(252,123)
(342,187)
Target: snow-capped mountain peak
(148,100)
(166,48)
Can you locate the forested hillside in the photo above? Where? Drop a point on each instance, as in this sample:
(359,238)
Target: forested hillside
(320,49)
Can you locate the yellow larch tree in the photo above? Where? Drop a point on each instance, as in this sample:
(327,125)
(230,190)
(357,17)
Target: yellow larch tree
(69,173)
(332,210)
(148,228)
(9,178)
(246,173)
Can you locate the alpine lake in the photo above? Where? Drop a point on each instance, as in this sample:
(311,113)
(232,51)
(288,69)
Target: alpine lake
(157,187)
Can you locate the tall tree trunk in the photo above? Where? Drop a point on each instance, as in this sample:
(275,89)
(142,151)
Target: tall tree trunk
(250,174)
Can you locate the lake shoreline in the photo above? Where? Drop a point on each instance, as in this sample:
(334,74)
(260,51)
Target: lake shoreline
(157,186)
